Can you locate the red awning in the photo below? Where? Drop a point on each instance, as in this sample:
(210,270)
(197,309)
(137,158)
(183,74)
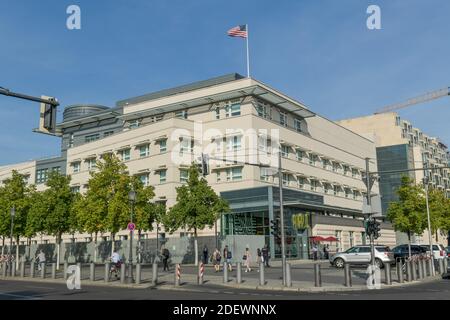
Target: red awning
(331,239)
(317,238)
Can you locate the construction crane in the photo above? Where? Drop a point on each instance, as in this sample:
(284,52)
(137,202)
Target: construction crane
(420,99)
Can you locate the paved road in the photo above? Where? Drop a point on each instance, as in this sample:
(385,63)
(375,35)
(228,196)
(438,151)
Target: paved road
(21,290)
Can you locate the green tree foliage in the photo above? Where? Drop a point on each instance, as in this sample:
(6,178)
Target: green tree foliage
(408,214)
(439,211)
(197,205)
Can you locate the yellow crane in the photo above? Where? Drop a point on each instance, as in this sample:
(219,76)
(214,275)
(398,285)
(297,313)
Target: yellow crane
(420,99)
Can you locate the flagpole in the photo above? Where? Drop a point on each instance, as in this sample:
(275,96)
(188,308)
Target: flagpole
(248,61)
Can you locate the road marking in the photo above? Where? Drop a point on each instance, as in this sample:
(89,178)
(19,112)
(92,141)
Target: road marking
(36,287)
(18,296)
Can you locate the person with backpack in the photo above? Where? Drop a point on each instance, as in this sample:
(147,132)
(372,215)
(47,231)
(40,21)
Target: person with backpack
(165,254)
(216,260)
(227,255)
(247,259)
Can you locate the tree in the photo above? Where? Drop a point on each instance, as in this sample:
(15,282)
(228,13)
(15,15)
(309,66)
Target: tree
(15,193)
(408,214)
(439,211)
(197,206)
(58,199)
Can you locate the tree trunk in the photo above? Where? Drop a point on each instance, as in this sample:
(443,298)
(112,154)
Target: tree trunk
(29,248)
(139,246)
(58,249)
(17,253)
(409,244)
(195,247)
(95,247)
(3,245)
(112,242)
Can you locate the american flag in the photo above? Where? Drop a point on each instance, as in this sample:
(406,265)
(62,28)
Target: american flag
(239,31)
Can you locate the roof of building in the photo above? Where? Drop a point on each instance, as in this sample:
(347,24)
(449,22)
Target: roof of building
(181,89)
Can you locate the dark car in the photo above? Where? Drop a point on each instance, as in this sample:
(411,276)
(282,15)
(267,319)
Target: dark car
(402,251)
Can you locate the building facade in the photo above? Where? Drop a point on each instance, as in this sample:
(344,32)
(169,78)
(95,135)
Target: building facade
(244,127)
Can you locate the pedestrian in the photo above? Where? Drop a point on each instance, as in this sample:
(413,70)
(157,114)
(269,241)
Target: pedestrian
(314,251)
(165,255)
(326,251)
(248,260)
(205,254)
(41,258)
(216,260)
(265,256)
(227,255)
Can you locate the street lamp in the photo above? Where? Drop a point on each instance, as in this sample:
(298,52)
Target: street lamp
(425,182)
(132,199)
(13,213)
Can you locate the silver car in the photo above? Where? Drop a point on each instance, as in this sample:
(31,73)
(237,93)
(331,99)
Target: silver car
(361,255)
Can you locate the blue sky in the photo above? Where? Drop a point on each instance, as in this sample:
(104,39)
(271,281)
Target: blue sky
(319,52)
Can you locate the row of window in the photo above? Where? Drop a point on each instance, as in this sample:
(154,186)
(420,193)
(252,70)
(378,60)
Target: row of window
(264,111)
(42,174)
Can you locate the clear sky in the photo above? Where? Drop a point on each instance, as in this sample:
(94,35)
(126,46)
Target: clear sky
(319,52)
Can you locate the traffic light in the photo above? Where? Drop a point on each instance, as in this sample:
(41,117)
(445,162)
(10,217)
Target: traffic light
(275,227)
(205,164)
(376,229)
(47,119)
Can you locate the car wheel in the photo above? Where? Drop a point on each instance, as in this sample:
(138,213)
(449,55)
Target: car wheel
(339,263)
(379,263)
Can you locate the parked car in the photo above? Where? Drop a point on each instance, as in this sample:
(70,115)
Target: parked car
(438,250)
(361,255)
(447,249)
(402,251)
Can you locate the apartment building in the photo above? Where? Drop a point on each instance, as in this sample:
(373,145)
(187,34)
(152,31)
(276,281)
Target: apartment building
(242,125)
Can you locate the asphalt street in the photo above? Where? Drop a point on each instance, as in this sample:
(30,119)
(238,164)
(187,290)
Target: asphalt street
(23,290)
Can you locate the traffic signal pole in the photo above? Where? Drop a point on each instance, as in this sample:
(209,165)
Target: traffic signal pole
(369,203)
(283,247)
(6,92)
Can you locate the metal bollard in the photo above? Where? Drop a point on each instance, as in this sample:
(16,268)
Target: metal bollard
(53,270)
(445,265)
(288,275)
(155,273)
(66,266)
(123,269)
(408,270)
(399,272)
(177,274)
(92,271)
(22,269)
(13,269)
(4,269)
(43,266)
(107,267)
(414,270)
(138,273)
(81,270)
(441,266)
(424,268)
(238,273)
(348,275)
(262,280)
(225,272)
(32,268)
(419,266)
(387,273)
(201,272)
(317,275)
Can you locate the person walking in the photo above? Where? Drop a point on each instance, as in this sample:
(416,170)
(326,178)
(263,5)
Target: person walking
(259,258)
(227,255)
(248,260)
(265,255)
(205,254)
(165,255)
(41,258)
(216,260)
(326,251)
(314,251)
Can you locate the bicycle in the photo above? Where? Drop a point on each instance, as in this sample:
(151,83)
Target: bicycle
(115,268)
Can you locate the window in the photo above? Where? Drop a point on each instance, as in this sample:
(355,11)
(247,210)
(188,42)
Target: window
(336,166)
(92,137)
(336,190)
(302,182)
(285,179)
(134,124)
(184,175)
(354,173)
(217,113)
(234,143)
(283,119)
(144,179)
(262,111)
(346,170)
(144,151)
(264,174)
(352,239)
(56,169)
(314,185)
(298,125)
(325,163)
(41,175)
(71,138)
(300,155)
(218,178)
(182,114)
(234,174)
(75,189)
(162,176)
(284,151)
(355,194)
(162,145)
(312,159)
(327,188)
(186,145)
(125,154)
(233,109)
(263,143)
(92,163)
(397,121)
(348,193)
(108,133)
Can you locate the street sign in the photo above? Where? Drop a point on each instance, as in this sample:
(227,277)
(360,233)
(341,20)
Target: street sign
(131,226)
